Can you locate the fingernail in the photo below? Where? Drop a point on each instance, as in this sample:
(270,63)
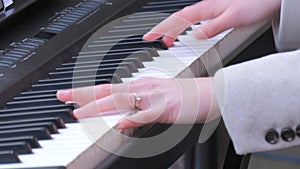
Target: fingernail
(145,36)
(63,92)
(76,113)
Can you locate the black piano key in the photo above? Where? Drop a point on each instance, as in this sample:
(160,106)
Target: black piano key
(116,40)
(31,103)
(149,51)
(94,48)
(159,44)
(49,125)
(65,114)
(143,55)
(58,121)
(70,84)
(41,96)
(31,140)
(170,11)
(31,93)
(41,133)
(113,78)
(121,71)
(135,61)
(131,67)
(172,6)
(9,157)
(68,106)
(132,61)
(21,147)
(138,27)
(138,23)
(169,2)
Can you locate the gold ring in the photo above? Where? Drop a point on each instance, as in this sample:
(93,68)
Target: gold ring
(137,100)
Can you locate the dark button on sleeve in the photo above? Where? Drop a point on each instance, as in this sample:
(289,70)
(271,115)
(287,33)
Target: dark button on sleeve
(272,136)
(288,134)
(298,130)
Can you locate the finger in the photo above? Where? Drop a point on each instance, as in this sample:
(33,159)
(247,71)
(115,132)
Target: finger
(116,102)
(153,110)
(214,26)
(151,36)
(179,21)
(168,40)
(63,95)
(136,120)
(171,27)
(200,11)
(83,95)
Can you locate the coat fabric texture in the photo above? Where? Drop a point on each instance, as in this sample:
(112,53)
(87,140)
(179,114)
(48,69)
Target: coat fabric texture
(259,99)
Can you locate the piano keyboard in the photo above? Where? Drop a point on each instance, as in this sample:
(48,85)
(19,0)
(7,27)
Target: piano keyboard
(39,131)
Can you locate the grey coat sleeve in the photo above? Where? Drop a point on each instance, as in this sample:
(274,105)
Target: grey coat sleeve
(286,26)
(259,102)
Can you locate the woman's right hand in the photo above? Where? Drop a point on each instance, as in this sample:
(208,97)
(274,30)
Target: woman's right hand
(163,100)
(221,15)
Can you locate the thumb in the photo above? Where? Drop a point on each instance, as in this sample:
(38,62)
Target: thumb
(136,120)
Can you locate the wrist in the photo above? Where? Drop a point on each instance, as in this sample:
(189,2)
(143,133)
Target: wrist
(208,106)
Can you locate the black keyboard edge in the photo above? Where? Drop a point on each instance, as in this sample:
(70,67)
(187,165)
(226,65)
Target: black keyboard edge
(15,8)
(66,43)
(54,167)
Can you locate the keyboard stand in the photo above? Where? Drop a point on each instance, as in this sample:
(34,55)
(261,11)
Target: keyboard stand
(234,161)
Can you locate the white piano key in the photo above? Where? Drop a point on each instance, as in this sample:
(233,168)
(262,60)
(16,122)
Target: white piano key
(64,148)
(73,146)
